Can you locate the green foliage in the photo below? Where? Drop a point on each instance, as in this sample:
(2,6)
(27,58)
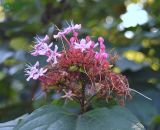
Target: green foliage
(98,103)
(56,118)
(19,43)
(142,109)
(11,124)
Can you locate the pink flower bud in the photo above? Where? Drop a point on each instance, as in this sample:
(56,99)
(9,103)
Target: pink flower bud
(88,38)
(72,40)
(75,34)
(100,39)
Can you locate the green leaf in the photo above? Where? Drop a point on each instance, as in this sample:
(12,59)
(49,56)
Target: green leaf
(2,75)
(144,109)
(10,124)
(55,118)
(155,124)
(19,43)
(99,102)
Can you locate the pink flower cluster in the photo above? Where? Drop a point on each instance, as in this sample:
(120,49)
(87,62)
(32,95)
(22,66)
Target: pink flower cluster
(80,70)
(42,48)
(34,72)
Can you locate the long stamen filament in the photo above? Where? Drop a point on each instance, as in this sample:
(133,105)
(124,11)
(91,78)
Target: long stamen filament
(140,94)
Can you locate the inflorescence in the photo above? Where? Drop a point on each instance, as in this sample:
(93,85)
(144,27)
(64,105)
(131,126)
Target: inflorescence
(81,70)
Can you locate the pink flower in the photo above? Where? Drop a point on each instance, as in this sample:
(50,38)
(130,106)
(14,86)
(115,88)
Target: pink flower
(68,95)
(72,40)
(52,56)
(71,28)
(77,26)
(88,38)
(39,40)
(83,45)
(102,46)
(34,72)
(102,55)
(93,45)
(41,48)
(67,30)
(59,35)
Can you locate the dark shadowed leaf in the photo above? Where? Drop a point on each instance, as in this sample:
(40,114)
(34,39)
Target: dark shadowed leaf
(144,109)
(56,118)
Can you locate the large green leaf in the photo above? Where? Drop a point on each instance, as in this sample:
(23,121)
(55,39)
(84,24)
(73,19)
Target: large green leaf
(10,124)
(55,118)
(145,110)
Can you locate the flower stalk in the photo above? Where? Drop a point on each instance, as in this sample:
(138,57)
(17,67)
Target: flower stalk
(83,107)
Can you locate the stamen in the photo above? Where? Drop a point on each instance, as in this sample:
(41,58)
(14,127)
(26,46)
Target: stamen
(140,94)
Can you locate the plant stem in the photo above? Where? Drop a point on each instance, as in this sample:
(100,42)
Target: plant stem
(66,39)
(83,99)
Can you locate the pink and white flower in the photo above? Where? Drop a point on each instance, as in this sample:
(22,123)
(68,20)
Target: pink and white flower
(34,71)
(83,45)
(52,56)
(71,28)
(101,55)
(59,35)
(67,30)
(41,48)
(39,40)
(68,95)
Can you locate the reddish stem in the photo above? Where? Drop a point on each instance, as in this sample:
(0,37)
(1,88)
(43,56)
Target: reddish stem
(66,39)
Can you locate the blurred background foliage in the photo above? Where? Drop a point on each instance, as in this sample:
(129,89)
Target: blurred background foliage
(137,44)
